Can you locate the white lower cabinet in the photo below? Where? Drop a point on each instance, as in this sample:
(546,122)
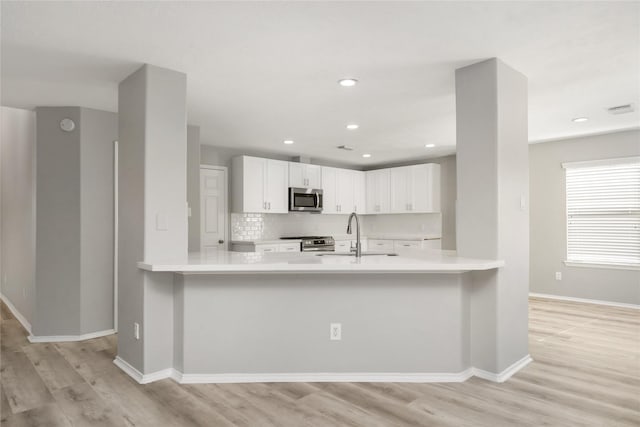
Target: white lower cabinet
(346,245)
(265,247)
(407,244)
(380,245)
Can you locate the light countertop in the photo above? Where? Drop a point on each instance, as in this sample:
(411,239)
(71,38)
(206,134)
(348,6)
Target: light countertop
(409,261)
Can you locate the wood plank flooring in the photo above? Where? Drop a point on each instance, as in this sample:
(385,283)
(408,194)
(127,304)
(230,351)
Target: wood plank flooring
(586,372)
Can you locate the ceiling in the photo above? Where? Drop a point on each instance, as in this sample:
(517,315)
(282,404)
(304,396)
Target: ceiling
(262,72)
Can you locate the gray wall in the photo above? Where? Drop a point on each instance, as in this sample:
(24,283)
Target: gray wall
(548,220)
(17,152)
(152,185)
(58,241)
(98,130)
(74,222)
(193,186)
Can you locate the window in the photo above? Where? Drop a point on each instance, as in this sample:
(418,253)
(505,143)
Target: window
(603,212)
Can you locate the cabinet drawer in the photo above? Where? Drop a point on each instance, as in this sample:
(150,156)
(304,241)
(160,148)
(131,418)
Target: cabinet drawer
(378,245)
(433,244)
(289,247)
(343,245)
(407,244)
(266,248)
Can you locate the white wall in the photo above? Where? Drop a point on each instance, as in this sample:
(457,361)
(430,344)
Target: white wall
(17,147)
(548,220)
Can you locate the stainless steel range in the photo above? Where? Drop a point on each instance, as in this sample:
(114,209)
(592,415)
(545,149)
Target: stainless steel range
(314,243)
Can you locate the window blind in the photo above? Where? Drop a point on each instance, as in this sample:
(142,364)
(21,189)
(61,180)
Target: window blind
(603,212)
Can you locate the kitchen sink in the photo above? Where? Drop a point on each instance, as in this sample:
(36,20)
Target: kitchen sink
(353,254)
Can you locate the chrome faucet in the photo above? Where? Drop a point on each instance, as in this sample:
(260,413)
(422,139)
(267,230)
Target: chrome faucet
(358,246)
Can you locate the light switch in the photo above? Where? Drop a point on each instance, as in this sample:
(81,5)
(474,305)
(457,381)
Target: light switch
(523,203)
(162,222)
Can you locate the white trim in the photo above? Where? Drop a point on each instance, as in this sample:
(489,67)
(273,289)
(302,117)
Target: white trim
(115,234)
(16,313)
(602,162)
(67,338)
(220,168)
(504,375)
(596,265)
(439,377)
(584,135)
(586,301)
(323,377)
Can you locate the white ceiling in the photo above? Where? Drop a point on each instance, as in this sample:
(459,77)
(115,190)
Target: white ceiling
(262,72)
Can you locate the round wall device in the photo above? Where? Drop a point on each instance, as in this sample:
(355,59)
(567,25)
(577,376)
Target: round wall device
(67,125)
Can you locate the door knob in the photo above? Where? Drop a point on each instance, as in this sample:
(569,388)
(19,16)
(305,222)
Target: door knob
(221,241)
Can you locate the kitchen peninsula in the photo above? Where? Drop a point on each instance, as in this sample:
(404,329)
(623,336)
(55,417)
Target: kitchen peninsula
(244,317)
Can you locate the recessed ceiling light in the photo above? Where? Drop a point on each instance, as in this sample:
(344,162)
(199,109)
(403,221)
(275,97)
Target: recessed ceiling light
(347,82)
(580,119)
(366,156)
(352,126)
(288,141)
(430,145)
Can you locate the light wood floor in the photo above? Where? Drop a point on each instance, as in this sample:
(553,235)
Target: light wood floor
(586,372)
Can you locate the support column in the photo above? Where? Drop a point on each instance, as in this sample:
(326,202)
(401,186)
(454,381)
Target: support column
(492,207)
(152,210)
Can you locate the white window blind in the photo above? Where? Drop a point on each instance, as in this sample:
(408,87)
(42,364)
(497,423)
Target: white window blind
(603,212)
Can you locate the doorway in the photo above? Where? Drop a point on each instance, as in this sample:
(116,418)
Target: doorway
(214,215)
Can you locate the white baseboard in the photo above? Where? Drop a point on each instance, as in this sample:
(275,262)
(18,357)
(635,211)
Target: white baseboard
(504,375)
(584,300)
(439,377)
(12,308)
(67,338)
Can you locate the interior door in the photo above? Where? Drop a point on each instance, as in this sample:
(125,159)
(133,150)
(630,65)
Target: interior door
(213,209)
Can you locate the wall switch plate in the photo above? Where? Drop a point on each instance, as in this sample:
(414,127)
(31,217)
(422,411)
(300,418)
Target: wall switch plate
(335,331)
(558,275)
(136,330)
(162,222)
(523,203)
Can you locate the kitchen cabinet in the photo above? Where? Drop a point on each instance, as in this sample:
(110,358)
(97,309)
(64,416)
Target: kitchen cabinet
(250,246)
(415,189)
(342,191)
(346,245)
(302,175)
(377,191)
(259,185)
(380,245)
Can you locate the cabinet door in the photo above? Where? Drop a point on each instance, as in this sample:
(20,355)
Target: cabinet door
(371,198)
(399,245)
(378,245)
(344,190)
(253,188)
(289,247)
(400,184)
(383,190)
(425,183)
(313,176)
(276,186)
(359,192)
(329,196)
(296,175)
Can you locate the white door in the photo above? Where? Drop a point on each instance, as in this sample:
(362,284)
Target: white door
(213,209)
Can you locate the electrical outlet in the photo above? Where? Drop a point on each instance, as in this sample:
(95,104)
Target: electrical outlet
(558,275)
(335,331)
(136,330)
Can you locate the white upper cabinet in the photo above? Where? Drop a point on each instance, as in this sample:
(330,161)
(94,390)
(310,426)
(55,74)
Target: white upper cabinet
(415,188)
(259,185)
(329,194)
(378,197)
(342,191)
(302,175)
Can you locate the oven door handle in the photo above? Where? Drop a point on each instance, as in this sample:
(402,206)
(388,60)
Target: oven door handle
(316,199)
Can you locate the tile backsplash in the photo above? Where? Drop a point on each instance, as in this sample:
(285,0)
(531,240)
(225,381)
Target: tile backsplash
(259,226)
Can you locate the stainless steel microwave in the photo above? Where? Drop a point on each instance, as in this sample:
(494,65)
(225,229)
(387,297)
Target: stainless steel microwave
(305,200)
